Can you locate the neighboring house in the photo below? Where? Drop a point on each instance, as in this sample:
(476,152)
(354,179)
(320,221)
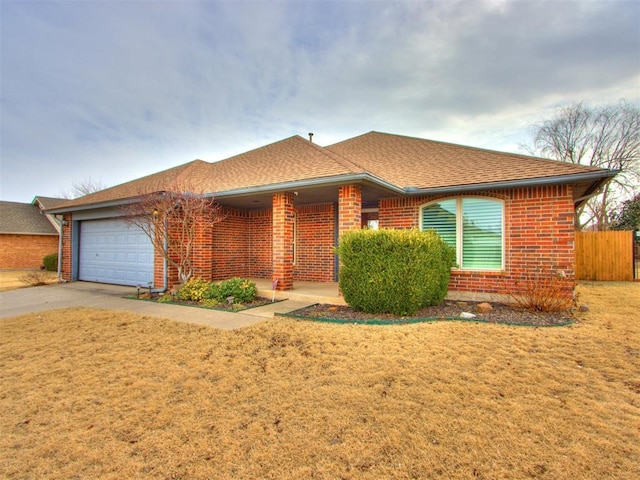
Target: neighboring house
(27,234)
(510,217)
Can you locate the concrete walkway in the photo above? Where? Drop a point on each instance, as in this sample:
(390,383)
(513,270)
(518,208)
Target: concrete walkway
(112,297)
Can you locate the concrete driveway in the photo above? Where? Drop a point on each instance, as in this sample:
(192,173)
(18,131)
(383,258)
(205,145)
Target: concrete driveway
(112,297)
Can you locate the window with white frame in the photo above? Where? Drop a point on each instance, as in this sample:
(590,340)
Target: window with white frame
(473,226)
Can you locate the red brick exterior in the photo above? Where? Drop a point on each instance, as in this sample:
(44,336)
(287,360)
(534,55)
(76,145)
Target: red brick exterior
(315,237)
(229,248)
(283,236)
(539,236)
(25,251)
(349,208)
(260,244)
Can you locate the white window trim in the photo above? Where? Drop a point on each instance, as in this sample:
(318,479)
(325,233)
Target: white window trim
(459,230)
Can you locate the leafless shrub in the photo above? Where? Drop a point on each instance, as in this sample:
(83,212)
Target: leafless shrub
(173,216)
(541,293)
(35,278)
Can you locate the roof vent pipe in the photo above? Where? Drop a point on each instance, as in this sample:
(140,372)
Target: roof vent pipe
(311,137)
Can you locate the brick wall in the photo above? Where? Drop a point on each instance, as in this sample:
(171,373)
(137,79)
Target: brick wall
(539,236)
(315,230)
(282,246)
(25,251)
(260,247)
(349,208)
(229,247)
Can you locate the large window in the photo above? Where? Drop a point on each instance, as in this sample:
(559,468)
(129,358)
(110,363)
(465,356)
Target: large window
(472,225)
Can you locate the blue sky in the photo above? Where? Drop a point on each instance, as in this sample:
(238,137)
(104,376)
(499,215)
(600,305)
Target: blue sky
(114,90)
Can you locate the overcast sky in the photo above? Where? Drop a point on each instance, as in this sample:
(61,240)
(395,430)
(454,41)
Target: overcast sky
(114,90)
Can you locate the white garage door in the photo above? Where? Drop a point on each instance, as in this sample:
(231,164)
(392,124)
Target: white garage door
(113,251)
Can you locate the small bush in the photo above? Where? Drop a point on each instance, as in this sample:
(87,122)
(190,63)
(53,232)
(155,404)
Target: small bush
(194,290)
(213,293)
(542,293)
(209,302)
(200,290)
(394,271)
(166,298)
(50,262)
(242,290)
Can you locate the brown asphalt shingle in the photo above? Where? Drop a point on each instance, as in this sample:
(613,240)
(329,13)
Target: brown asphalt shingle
(415,162)
(288,160)
(49,202)
(24,218)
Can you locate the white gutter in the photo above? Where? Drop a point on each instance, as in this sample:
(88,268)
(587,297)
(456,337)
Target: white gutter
(529,182)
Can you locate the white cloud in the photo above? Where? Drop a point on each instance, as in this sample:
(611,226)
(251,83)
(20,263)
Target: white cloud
(115,90)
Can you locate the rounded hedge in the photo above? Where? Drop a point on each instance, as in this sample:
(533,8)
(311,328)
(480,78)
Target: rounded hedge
(394,271)
(50,262)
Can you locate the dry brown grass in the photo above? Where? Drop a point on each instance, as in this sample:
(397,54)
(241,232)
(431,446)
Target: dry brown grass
(12,279)
(97,394)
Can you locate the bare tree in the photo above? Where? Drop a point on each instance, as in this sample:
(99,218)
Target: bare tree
(82,188)
(606,137)
(172,217)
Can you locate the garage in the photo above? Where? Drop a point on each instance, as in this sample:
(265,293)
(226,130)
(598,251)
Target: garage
(114,251)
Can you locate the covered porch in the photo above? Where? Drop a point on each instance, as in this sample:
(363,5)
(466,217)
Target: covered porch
(310,292)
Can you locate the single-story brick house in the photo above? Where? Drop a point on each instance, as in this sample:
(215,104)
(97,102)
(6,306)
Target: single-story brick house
(27,234)
(286,205)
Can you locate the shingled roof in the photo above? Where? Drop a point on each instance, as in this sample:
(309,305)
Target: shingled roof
(48,202)
(24,219)
(394,162)
(415,162)
(289,160)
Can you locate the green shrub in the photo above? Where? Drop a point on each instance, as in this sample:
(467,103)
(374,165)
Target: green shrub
(394,271)
(213,293)
(242,290)
(195,289)
(50,262)
(166,298)
(209,302)
(200,290)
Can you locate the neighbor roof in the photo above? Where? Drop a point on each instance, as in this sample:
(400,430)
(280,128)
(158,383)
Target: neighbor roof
(48,202)
(398,163)
(24,218)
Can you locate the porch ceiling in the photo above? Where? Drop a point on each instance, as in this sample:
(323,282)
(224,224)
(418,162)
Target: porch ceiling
(371,193)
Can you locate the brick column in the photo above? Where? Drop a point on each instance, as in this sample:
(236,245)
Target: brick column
(283,224)
(67,250)
(349,208)
(202,253)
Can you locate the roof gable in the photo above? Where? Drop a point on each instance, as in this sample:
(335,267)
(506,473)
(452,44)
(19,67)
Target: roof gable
(288,160)
(24,218)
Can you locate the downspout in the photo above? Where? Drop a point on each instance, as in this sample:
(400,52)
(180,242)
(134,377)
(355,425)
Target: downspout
(60,222)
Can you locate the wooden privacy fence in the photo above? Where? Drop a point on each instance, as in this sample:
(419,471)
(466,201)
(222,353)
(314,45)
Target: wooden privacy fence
(605,256)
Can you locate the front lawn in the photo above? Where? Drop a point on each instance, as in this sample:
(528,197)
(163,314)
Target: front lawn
(98,394)
(12,279)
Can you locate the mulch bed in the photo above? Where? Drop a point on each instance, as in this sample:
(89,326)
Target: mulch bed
(224,306)
(448,310)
